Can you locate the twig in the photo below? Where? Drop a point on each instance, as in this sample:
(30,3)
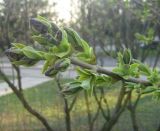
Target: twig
(100,106)
(106,102)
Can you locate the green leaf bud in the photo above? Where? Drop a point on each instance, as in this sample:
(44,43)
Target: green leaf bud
(51,72)
(62,64)
(14,54)
(127,57)
(39,26)
(74,39)
(72,88)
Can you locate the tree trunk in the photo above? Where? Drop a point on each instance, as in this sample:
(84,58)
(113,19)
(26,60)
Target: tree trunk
(132,109)
(67,109)
(158,129)
(67,115)
(119,108)
(134,121)
(18,77)
(88,111)
(110,124)
(156,60)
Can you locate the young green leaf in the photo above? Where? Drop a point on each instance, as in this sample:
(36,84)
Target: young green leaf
(31,53)
(18,45)
(74,39)
(72,88)
(148,90)
(144,69)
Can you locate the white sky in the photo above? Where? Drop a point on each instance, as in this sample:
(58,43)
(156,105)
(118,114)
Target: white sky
(63,8)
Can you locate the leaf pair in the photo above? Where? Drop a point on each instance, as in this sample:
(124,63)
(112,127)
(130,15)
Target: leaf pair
(126,66)
(87,79)
(154,77)
(85,51)
(87,55)
(76,86)
(72,88)
(20,54)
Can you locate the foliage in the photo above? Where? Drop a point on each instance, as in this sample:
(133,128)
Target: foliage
(59,54)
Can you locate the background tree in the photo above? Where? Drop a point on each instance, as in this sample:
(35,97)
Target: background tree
(112,25)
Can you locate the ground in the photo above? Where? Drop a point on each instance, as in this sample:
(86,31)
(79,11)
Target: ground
(46,99)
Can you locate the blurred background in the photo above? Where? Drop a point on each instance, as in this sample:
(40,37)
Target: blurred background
(108,26)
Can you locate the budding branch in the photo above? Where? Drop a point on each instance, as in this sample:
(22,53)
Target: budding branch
(102,70)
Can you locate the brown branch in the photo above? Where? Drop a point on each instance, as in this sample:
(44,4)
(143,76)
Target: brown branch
(88,111)
(120,98)
(18,76)
(106,102)
(107,126)
(100,105)
(137,100)
(66,106)
(132,110)
(95,117)
(158,129)
(72,103)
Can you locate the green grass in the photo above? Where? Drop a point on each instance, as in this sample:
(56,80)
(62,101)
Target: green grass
(46,99)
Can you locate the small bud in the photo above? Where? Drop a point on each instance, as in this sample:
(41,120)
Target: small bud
(38,26)
(18,58)
(51,72)
(14,54)
(62,64)
(74,39)
(25,62)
